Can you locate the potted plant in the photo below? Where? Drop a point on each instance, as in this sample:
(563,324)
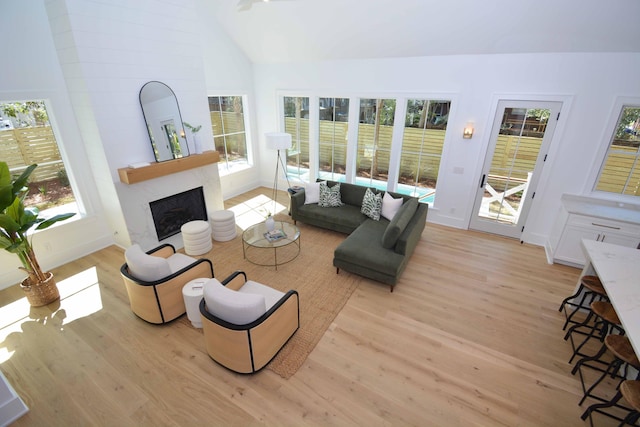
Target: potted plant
(15,222)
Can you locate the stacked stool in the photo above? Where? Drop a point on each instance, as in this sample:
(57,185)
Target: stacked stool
(196,236)
(223,224)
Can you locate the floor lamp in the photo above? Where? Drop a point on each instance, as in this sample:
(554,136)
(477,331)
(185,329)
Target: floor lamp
(278,141)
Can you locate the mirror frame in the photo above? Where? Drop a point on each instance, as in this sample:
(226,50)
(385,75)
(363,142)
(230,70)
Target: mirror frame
(163,120)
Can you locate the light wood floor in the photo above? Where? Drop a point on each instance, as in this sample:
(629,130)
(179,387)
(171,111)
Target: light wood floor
(470,336)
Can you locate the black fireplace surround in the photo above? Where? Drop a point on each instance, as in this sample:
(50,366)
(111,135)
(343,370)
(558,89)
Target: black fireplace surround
(170,213)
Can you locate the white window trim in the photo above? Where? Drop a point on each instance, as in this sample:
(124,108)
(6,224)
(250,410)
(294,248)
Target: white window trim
(601,154)
(222,166)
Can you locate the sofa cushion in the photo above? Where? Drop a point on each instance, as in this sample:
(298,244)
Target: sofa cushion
(375,257)
(232,306)
(390,206)
(399,223)
(312,192)
(329,196)
(353,194)
(371,204)
(145,267)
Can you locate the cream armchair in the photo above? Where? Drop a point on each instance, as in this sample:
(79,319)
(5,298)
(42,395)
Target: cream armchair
(246,323)
(154,281)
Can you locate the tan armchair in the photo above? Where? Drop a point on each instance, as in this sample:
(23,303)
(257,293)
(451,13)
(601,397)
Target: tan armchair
(246,323)
(154,281)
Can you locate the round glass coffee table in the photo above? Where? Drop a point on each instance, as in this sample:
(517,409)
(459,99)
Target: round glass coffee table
(284,249)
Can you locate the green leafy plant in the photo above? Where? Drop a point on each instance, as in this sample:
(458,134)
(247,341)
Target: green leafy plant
(63,177)
(193,129)
(16,220)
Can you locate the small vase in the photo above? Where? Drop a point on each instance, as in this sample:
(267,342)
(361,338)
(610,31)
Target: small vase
(270,223)
(196,143)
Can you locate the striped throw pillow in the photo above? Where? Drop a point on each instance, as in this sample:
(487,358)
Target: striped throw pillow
(372,204)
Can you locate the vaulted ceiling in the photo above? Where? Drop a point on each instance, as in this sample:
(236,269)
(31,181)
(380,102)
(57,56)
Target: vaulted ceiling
(315,30)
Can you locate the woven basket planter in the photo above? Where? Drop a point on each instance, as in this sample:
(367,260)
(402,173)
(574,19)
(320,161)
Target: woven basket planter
(41,293)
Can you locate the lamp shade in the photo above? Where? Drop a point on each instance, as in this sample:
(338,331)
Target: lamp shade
(278,140)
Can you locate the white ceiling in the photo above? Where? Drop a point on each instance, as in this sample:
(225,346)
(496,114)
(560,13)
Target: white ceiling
(315,30)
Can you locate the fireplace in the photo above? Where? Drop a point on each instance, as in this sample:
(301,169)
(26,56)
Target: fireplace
(170,213)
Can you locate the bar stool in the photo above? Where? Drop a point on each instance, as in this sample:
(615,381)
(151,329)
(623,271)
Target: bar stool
(630,390)
(623,357)
(606,321)
(591,289)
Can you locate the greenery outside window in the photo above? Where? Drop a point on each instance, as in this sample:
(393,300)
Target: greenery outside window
(296,123)
(375,133)
(620,171)
(26,138)
(422,142)
(334,123)
(229,134)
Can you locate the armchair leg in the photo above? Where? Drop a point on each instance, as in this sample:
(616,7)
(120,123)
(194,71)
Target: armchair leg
(390,288)
(337,270)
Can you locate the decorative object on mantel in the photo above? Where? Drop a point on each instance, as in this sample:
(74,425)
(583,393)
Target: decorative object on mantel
(15,221)
(164,122)
(197,148)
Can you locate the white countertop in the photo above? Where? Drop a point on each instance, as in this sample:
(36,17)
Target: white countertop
(598,208)
(618,268)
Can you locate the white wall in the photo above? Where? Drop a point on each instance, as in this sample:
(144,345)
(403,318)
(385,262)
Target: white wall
(31,71)
(91,59)
(228,72)
(588,83)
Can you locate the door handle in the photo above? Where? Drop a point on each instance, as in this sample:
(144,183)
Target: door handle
(484,176)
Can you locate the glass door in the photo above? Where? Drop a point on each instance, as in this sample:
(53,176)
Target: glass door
(520,139)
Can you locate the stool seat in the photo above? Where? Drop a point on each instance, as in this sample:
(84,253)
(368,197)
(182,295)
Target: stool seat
(196,236)
(606,311)
(630,390)
(594,284)
(223,224)
(621,347)
(590,290)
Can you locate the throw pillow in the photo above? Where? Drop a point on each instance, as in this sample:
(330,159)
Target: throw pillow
(399,223)
(390,206)
(330,197)
(371,204)
(312,192)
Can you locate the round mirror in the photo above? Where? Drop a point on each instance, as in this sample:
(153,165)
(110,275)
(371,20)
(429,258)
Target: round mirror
(164,123)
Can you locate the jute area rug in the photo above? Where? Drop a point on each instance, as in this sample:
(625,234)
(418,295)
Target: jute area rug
(322,292)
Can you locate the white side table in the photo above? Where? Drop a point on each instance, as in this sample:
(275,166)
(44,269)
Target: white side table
(192,294)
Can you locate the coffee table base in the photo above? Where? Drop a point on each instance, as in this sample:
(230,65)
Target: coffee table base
(261,256)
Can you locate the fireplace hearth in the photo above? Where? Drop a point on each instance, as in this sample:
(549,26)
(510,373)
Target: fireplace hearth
(170,213)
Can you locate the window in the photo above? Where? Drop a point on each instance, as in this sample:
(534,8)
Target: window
(620,171)
(26,138)
(422,142)
(374,141)
(296,123)
(229,135)
(334,123)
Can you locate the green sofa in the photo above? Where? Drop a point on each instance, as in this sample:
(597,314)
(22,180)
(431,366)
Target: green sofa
(379,249)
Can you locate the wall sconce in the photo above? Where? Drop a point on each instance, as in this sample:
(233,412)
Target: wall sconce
(467,133)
